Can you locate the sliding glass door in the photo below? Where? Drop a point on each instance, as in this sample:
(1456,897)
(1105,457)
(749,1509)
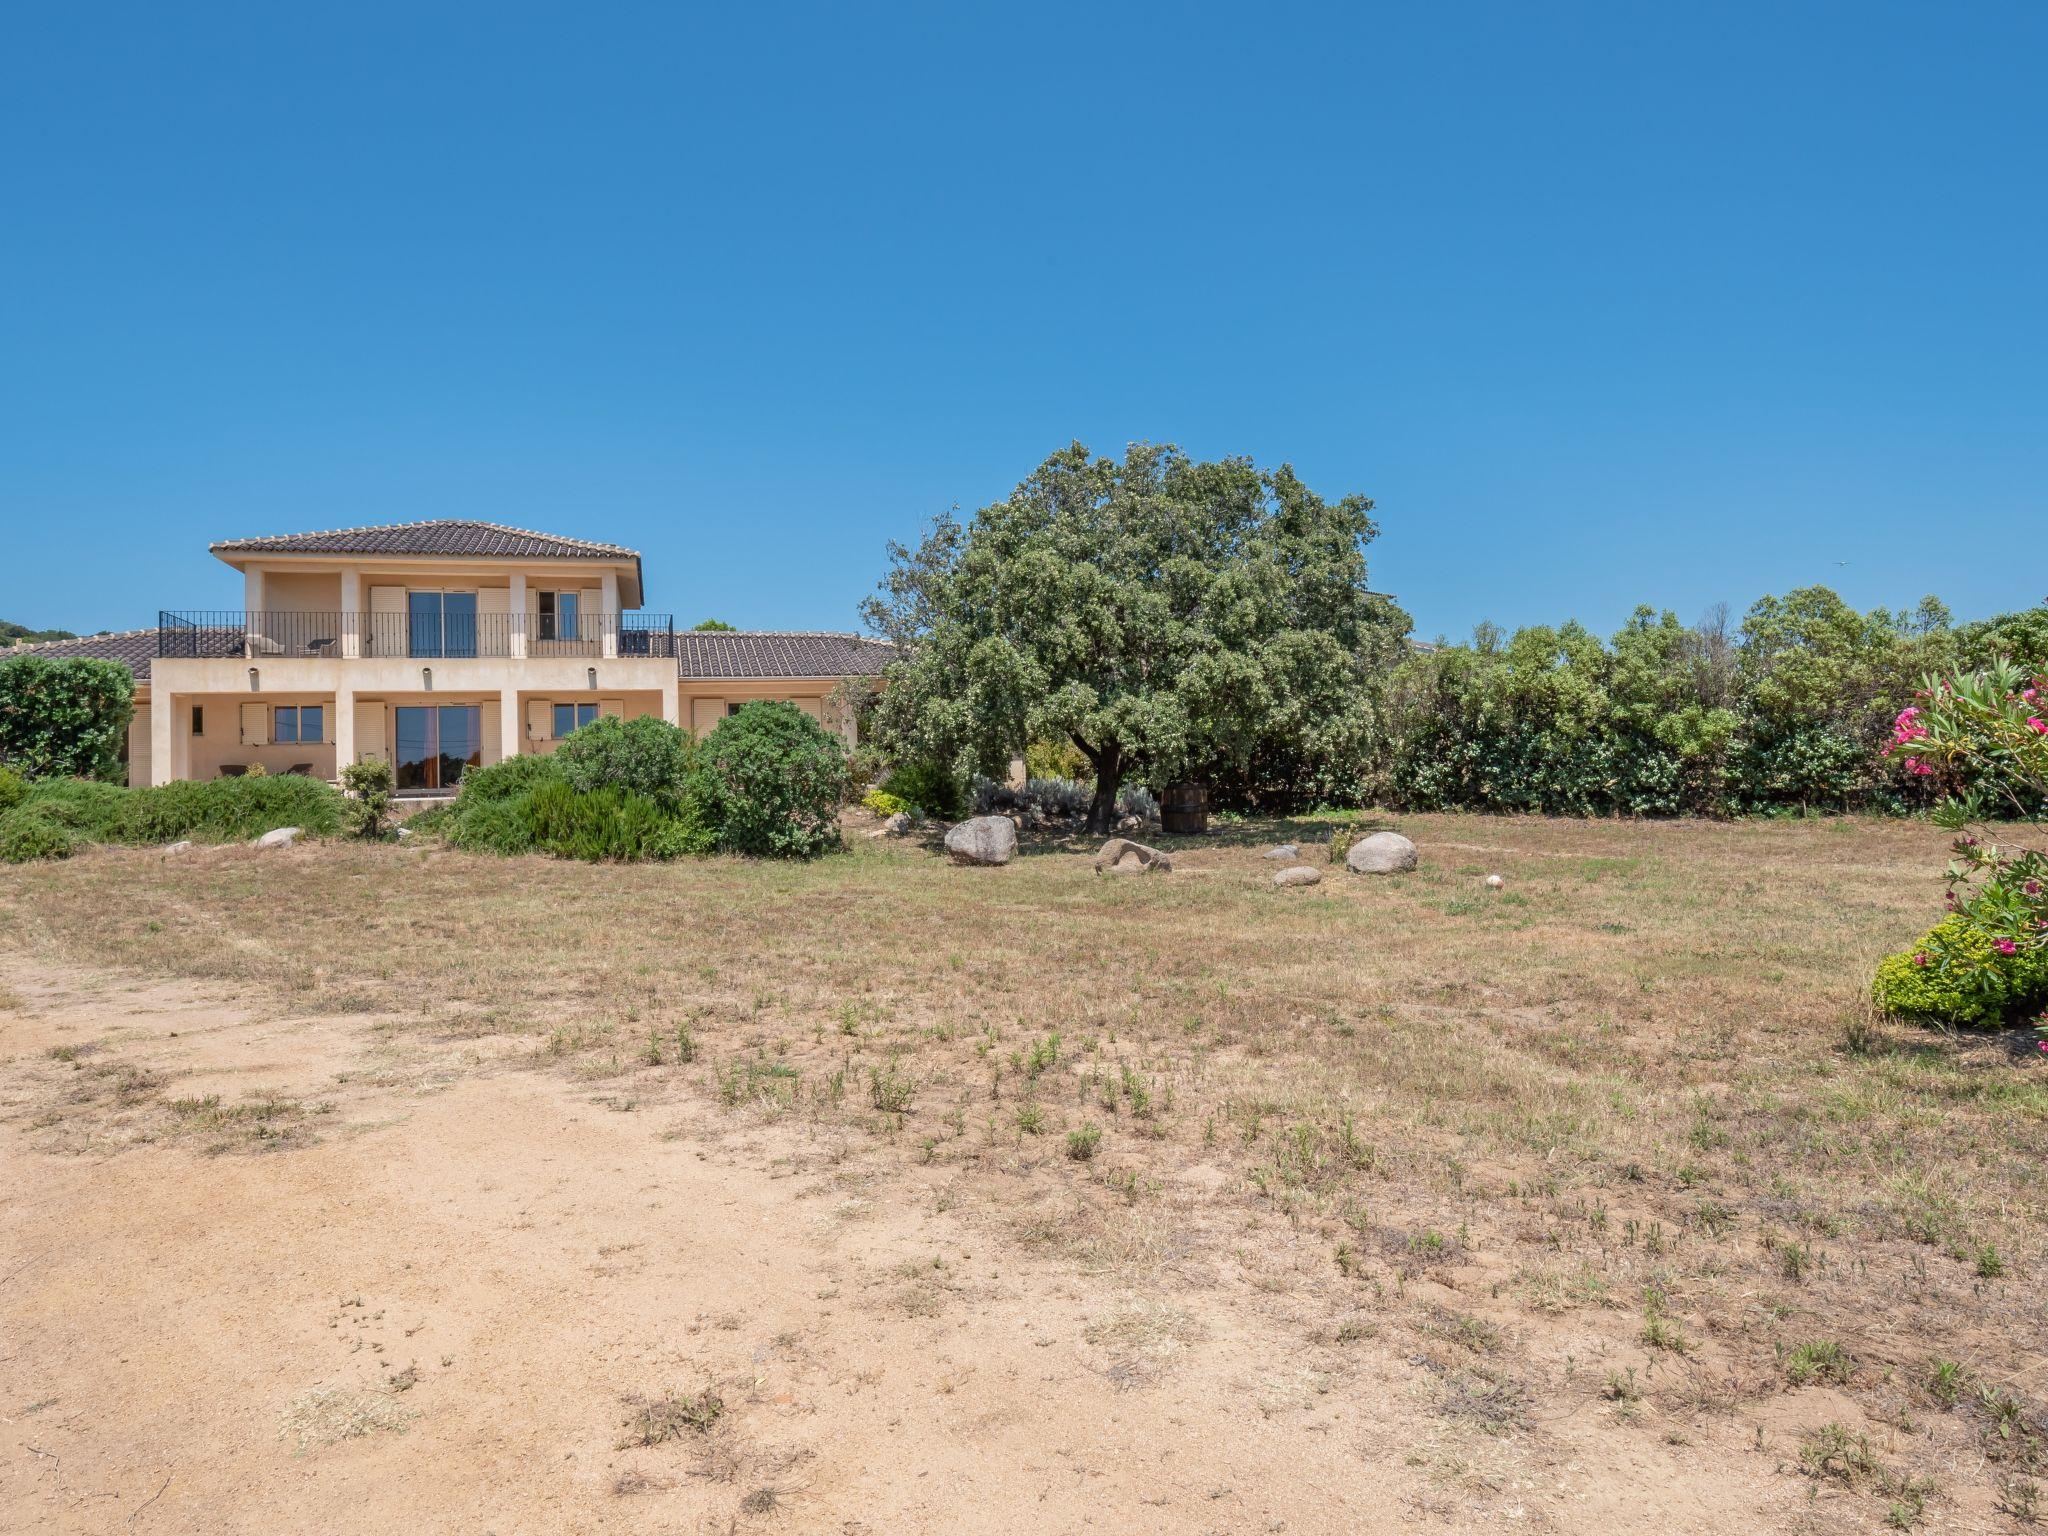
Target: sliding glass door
(441,623)
(435,743)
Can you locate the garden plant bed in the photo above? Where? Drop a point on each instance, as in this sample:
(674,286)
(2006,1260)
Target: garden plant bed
(364,1185)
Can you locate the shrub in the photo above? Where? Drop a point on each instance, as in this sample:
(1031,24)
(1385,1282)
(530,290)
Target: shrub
(369,788)
(597,825)
(929,788)
(773,778)
(527,804)
(62,716)
(25,835)
(882,803)
(644,756)
(1957,973)
(1056,760)
(495,824)
(507,779)
(82,805)
(220,810)
(865,764)
(12,788)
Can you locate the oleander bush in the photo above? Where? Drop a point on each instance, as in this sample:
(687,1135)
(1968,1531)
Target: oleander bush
(1979,737)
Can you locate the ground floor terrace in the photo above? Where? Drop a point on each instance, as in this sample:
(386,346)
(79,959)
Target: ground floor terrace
(212,719)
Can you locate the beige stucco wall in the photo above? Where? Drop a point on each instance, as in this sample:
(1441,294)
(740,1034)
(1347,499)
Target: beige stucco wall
(703,701)
(350,686)
(630,686)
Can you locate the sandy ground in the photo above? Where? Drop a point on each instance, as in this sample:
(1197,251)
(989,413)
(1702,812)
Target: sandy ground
(436,1306)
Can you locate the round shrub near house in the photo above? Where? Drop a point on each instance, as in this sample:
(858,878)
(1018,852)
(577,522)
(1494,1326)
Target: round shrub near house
(643,756)
(773,780)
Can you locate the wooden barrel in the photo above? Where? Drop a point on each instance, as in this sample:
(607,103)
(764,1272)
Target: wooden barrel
(1184,808)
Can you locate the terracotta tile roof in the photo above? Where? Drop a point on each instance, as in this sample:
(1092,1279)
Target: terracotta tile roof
(700,654)
(133,648)
(714,653)
(441,536)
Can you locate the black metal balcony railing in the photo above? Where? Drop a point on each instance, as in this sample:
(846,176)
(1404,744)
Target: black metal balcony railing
(227,635)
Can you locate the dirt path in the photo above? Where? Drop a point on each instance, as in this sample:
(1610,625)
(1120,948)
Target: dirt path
(453,1291)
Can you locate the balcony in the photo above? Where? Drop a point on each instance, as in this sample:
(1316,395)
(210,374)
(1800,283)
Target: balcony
(239,636)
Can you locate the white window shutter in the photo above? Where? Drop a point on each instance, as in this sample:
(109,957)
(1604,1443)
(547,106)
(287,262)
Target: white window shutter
(255,725)
(540,719)
(611,706)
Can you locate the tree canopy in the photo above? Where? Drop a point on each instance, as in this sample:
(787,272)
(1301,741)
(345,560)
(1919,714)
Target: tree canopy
(1169,617)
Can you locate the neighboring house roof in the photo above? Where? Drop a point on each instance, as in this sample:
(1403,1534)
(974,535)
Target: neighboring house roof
(737,653)
(441,536)
(133,648)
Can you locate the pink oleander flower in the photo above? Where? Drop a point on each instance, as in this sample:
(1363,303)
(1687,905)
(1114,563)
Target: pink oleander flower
(1920,958)
(1914,765)
(2032,887)
(2037,723)
(2006,947)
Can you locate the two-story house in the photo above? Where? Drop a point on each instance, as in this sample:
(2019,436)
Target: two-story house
(435,646)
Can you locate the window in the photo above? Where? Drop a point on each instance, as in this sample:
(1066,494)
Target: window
(441,623)
(570,716)
(558,616)
(733,709)
(198,719)
(305,724)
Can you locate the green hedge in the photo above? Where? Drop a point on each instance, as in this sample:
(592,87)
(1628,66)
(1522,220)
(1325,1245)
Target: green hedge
(53,817)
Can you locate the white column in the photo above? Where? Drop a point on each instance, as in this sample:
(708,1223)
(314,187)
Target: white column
(161,718)
(351,614)
(517,603)
(610,604)
(253,621)
(344,727)
(511,722)
(671,699)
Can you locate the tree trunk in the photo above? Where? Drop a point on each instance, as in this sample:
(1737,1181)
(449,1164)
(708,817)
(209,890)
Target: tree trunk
(1109,778)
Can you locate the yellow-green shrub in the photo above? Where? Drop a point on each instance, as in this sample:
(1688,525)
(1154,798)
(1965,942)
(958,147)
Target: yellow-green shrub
(1956,973)
(882,803)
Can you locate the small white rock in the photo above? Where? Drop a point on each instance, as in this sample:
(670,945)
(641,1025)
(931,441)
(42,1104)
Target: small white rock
(182,845)
(280,837)
(1301,874)
(1494,882)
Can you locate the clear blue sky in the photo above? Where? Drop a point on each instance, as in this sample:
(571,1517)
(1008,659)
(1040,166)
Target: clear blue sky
(1601,303)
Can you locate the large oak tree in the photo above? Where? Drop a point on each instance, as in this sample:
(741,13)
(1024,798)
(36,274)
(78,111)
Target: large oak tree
(1160,613)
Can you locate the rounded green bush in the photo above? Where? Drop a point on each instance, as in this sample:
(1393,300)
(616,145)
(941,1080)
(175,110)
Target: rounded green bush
(12,788)
(773,779)
(642,756)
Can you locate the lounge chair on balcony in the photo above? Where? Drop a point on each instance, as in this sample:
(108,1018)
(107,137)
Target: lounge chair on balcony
(233,770)
(303,770)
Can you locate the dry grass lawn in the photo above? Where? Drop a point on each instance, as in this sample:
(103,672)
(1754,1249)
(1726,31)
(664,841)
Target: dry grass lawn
(355,1187)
